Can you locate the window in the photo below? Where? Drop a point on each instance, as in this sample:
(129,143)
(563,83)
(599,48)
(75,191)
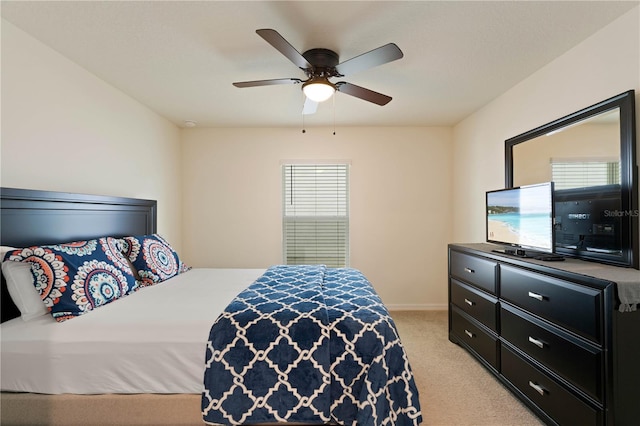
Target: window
(315,223)
(576,174)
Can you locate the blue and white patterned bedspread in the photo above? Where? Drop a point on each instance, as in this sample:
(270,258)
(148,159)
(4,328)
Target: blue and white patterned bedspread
(308,344)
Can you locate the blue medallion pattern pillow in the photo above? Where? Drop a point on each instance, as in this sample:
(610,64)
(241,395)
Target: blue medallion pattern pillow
(153,258)
(75,278)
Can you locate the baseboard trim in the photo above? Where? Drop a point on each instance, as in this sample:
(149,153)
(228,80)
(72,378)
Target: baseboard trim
(417,307)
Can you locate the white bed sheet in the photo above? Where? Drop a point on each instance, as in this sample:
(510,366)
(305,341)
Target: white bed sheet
(152,341)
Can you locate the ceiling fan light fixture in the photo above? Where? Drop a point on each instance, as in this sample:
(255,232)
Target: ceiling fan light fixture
(318,89)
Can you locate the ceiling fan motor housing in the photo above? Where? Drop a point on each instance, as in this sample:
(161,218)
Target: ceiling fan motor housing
(324,62)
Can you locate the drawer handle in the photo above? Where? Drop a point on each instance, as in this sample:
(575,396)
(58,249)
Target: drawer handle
(469,270)
(536,296)
(468,302)
(468,333)
(536,342)
(538,388)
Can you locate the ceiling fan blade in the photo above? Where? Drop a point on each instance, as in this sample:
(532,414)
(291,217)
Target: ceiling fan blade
(310,107)
(362,93)
(276,40)
(383,54)
(267,82)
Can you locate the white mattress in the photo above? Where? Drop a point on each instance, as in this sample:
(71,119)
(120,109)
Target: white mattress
(152,341)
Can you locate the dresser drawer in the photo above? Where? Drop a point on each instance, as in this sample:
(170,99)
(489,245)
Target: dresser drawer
(482,342)
(476,303)
(577,362)
(559,403)
(570,305)
(473,270)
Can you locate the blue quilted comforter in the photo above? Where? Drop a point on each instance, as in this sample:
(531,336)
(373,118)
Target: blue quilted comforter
(308,344)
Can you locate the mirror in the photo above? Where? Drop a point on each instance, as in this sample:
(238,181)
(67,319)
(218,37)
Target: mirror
(590,157)
(584,154)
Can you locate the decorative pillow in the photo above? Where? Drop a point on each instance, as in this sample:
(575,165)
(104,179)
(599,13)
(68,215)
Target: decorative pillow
(153,258)
(75,278)
(20,284)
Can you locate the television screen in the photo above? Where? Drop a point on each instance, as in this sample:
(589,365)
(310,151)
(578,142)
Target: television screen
(522,217)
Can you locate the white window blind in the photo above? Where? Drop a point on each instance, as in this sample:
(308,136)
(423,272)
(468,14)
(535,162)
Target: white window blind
(316,214)
(577,174)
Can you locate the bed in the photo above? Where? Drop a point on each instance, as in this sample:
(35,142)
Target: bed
(140,359)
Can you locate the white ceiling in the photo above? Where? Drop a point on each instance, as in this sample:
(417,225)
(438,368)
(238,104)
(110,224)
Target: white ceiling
(180,57)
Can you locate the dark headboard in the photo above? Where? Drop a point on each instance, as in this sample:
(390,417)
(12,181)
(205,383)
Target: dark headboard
(30,217)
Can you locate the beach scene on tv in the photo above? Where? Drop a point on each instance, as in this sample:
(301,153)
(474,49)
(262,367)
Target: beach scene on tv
(521,217)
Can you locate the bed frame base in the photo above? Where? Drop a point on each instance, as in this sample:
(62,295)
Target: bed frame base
(109,409)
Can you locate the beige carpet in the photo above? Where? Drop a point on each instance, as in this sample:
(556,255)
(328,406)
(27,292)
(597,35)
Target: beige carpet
(455,390)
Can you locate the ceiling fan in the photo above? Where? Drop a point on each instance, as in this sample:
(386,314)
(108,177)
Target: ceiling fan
(322,64)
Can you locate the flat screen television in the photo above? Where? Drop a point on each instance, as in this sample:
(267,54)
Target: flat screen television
(521,219)
(589,222)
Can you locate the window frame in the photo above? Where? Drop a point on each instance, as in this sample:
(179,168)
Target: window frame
(340,216)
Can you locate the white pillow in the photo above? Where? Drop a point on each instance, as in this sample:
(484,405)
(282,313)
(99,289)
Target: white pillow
(4,250)
(22,290)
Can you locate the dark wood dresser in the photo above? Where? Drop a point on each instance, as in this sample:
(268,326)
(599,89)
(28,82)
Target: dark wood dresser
(551,332)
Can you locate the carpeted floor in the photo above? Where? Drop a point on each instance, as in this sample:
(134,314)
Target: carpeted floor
(455,390)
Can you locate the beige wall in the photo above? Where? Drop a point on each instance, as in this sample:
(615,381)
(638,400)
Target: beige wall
(604,65)
(399,201)
(64,129)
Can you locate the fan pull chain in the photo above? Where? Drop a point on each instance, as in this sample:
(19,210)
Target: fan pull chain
(334,114)
(303,129)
